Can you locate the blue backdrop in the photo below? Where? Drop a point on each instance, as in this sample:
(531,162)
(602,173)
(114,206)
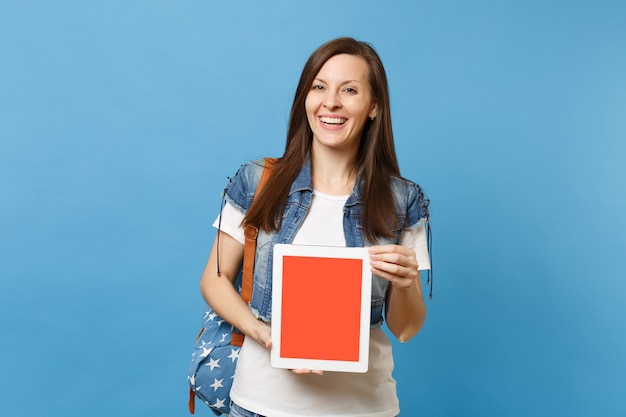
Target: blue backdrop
(120,121)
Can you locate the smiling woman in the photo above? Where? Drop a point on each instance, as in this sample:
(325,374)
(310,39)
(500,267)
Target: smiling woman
(337,184)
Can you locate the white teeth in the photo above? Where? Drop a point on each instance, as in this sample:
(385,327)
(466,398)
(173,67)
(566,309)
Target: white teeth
(333,120)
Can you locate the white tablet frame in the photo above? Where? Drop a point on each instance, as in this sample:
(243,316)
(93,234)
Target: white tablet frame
(284,250)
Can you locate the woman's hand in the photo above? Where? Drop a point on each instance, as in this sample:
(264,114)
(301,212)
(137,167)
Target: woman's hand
(395,263)
(404,308)
(306,371)
(262,335)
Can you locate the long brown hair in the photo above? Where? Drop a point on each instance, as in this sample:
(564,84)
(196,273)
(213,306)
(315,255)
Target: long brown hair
(376,158)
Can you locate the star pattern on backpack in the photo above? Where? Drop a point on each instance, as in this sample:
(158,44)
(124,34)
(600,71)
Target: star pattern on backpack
(213,363)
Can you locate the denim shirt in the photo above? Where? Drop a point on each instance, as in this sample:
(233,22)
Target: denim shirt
(411,210)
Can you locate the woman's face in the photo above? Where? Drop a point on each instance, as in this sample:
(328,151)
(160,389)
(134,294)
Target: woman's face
(339,102)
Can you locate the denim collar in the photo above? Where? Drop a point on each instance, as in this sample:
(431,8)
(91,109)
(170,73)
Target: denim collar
(304,182)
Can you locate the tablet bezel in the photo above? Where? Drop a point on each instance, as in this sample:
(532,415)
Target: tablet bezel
(286,250)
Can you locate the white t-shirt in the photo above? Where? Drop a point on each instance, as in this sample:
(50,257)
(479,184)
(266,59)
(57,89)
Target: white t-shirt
(276,392)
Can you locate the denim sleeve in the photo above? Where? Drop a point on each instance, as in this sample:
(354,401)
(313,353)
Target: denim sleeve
(240,189)
(417,209)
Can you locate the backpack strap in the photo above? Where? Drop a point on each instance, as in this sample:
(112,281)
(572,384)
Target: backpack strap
(249,251)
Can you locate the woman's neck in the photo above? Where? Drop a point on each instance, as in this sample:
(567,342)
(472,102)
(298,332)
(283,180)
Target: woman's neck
(333,173)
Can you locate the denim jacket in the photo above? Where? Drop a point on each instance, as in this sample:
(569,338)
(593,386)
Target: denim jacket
(411,209)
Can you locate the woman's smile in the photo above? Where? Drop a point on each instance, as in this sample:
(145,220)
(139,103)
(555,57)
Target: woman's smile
(332,122)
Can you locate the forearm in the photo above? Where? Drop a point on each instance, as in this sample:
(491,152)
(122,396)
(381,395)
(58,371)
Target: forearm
(222,297)
(219,291)
(405,311)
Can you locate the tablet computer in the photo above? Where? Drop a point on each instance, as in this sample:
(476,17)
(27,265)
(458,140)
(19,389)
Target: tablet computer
(321,308)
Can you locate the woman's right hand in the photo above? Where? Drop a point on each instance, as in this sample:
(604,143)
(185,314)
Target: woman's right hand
(262,335)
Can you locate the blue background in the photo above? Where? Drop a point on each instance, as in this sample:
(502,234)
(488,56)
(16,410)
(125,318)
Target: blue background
(120,121)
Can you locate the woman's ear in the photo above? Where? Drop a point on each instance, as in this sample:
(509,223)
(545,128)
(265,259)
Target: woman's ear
(373,112)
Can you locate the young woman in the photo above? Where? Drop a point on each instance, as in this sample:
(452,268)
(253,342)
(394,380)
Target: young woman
(337,184)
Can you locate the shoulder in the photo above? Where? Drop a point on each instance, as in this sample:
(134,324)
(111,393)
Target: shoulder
(249,172)
(411,198)
(240,189)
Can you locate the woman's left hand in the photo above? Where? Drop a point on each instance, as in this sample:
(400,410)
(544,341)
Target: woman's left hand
(405,308)
(395,263)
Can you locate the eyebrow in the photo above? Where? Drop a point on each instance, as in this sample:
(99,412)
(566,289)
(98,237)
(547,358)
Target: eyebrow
(342,83)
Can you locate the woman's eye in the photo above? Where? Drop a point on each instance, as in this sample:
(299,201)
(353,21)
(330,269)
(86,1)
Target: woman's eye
(349,90)
(317,87)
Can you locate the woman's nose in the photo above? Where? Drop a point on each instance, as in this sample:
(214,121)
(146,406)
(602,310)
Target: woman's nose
(332,101)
